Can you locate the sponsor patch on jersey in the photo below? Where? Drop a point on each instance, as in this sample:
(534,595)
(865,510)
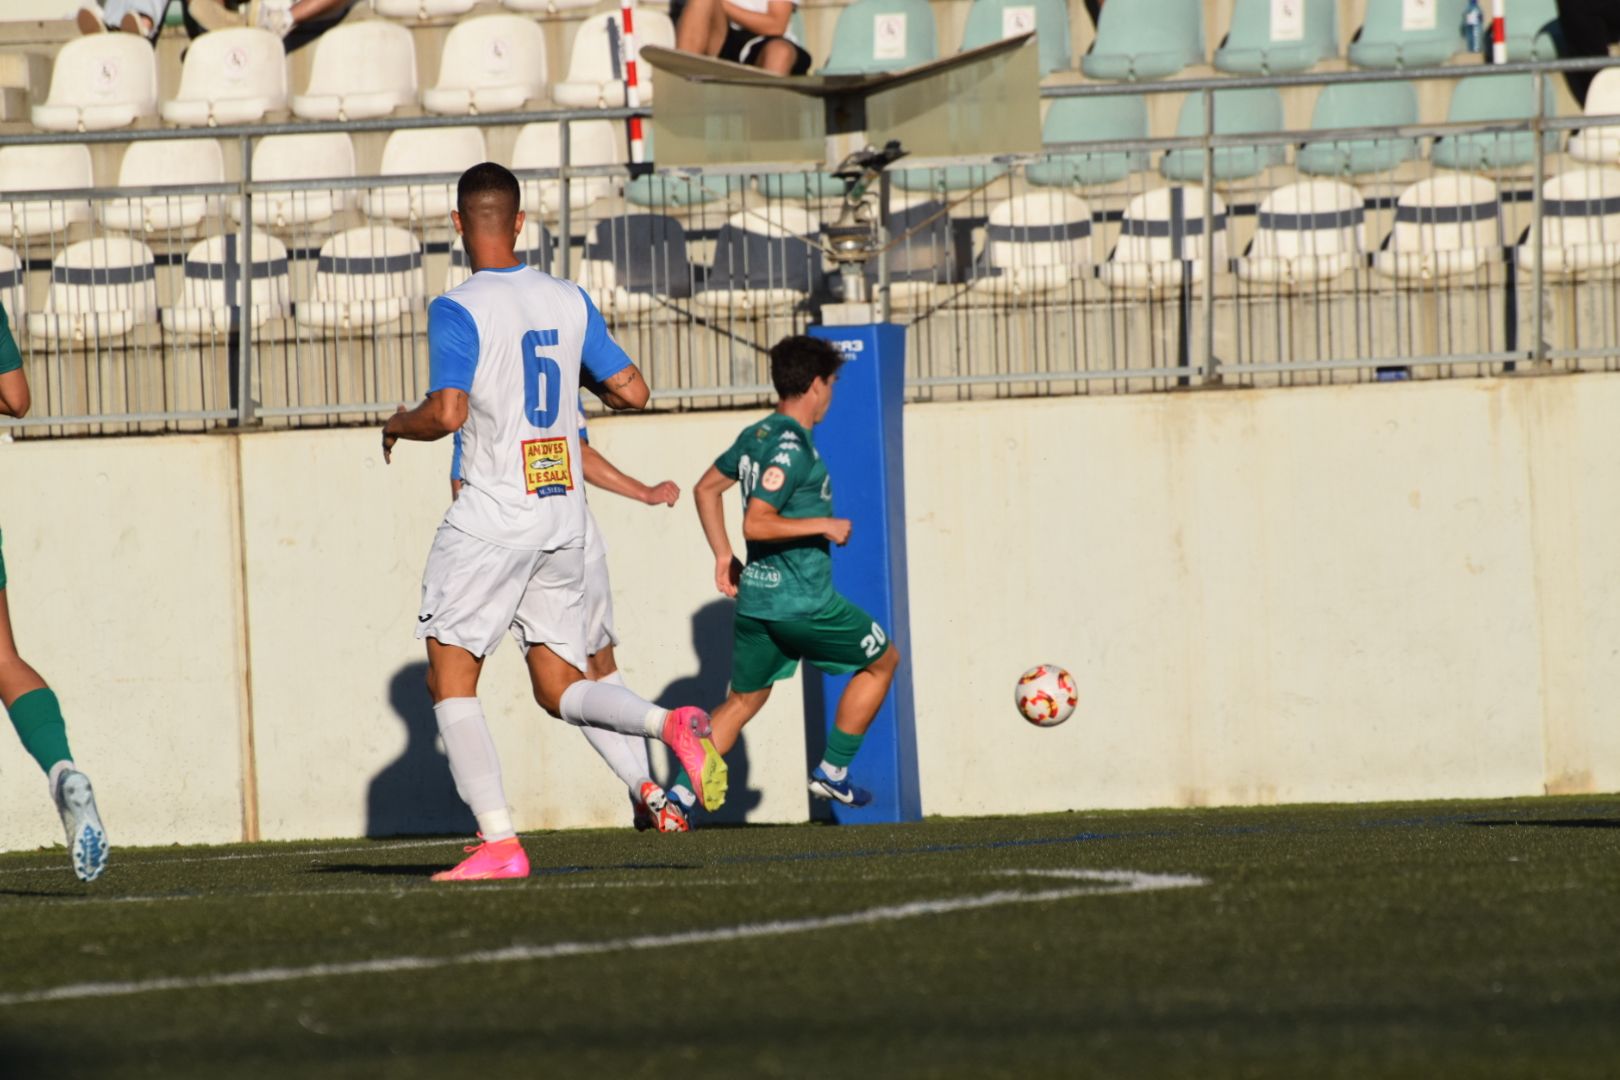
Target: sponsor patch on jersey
(773,479)
(547,469)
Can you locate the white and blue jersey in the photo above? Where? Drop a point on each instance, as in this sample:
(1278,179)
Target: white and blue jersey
(515,341)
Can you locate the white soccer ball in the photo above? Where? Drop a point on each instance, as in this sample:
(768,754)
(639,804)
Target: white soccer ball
(1046,695)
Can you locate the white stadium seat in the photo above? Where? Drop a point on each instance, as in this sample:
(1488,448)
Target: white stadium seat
(163,162)
(550,7)
(413,151)
(101,289)
(595,69)
(1580,225)
(43,168)
(1161,233)
(364,278)
(490,64)
(590,142)
(422,9)
(211,297)
(1308,232)
(1600,145)
(1036,243)
(534,246)
(230,76)
(322,156)
(360,70)
(1447,226)
(100,82)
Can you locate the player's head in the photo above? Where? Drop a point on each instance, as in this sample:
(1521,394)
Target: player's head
(805,366)
(488,204)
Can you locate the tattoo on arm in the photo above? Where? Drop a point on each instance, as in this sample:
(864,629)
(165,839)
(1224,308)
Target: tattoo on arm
(622,378)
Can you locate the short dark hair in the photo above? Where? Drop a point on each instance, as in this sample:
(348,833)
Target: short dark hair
(798,361)
(488,178)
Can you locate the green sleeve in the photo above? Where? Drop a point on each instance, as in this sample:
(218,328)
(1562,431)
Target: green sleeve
(782,471)
(10,357)
(728,462)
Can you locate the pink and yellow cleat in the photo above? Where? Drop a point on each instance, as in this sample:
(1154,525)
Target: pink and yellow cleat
(686,733)
(493,860)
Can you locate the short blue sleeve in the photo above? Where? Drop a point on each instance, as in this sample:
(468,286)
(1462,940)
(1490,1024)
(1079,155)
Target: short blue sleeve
(600,356)
(455,458)
(452,346)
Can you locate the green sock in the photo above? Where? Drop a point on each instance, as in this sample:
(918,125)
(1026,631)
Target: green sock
(37,716)
(842,748)
(682,780)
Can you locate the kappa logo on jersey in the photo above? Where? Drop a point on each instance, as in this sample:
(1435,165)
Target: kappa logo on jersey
(773,479)
(784,458)
(547,469)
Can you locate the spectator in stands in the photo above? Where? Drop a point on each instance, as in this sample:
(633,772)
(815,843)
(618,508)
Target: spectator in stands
(1588,27)
(297,22)
(752,32)
(143,17)
(1094,9)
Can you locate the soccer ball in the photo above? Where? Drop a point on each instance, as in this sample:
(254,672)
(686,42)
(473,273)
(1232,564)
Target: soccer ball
(1046,695)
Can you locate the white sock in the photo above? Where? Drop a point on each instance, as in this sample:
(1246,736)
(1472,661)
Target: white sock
(834,772)
(603,705)
(64,765)
(475,765)
(625,754)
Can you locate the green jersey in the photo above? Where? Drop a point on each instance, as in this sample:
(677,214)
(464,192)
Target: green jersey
(10,358)
(775,462)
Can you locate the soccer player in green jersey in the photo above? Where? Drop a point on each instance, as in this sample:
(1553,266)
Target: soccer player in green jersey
(32,705)
(787,609)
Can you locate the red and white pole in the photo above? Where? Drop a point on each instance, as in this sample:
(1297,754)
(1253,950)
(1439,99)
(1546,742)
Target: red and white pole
(632,83)
(1498,32)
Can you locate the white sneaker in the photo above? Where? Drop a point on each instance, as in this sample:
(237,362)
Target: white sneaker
(274,16)
(86,839)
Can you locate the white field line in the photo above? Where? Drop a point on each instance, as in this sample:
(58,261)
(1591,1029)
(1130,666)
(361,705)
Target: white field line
(1110,883)
(54,869)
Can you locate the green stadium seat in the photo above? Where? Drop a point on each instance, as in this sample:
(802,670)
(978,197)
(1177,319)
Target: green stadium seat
(989,21)
(1146,39)
(1078,119)
(1237,112)
(1399,33)
(1494,97)
(1270,37)
(882,35)
(1353,105)
(810,187)
(950,178)
(1529,29)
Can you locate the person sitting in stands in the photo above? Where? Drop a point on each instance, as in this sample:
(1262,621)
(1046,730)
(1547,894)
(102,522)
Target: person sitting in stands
(143,17)
(754,32)
(296,22)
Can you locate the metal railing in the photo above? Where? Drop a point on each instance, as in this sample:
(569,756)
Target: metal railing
(1007,287)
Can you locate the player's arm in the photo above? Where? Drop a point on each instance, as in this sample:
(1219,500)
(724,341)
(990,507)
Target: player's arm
(772,22)
(452,360)
(765,523)
(709,497)
(439,414)
(602,473)
(14,396)
(625,389)
(605,369)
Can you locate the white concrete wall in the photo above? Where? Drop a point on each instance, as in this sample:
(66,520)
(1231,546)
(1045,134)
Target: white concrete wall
(1366,592)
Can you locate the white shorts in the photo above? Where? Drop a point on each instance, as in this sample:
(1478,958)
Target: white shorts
(473,591)
(598,607)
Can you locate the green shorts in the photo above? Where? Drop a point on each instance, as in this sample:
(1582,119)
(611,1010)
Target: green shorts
(838,639)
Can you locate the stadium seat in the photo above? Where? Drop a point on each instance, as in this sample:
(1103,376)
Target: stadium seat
(805,187)
(1494,97)
(1580,225)
(1403,34)
(549,7)
(1275,37)
(1146,39)
(422,10)
(1035,243)
(590,142)
(43,168)
(882,35)
(99,82)
(667,192)
(989,21)
(14,287)
(416,151)
(1355,105)
(360,70)
(493,63)
(1446,226)
(1306,233)
(634,262)
(948,178)
(762,264)
(925,252)
(1599,145)
(101,289)
(327,155)
(1529,29)
(1083,119)
(1161,240)
(595,66)
(1237,112)
(211,296)
(364,278)
(230,76)
(534,245)
(165,163)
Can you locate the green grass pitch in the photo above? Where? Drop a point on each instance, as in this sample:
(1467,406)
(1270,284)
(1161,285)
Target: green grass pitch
(1451,939)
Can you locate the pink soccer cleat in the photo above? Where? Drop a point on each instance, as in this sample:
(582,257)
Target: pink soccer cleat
(686,733)
(656,810)
(493,860)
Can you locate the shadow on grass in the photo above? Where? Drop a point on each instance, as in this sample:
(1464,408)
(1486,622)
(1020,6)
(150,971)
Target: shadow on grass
(427,870)
(1549,823)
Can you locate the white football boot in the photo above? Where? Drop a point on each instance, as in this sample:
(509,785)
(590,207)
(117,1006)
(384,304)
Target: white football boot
(86,839)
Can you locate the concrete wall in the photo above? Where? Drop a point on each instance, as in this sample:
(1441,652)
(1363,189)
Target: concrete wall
(1360,592)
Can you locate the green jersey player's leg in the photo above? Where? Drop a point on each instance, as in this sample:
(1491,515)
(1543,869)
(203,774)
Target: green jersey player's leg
(29,702)
(787,609)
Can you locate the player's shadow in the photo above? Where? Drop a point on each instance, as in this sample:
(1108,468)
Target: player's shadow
(707,687)
(415,794)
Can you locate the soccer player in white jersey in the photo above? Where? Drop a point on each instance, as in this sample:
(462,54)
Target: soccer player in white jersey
(626,755)
(508,349)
